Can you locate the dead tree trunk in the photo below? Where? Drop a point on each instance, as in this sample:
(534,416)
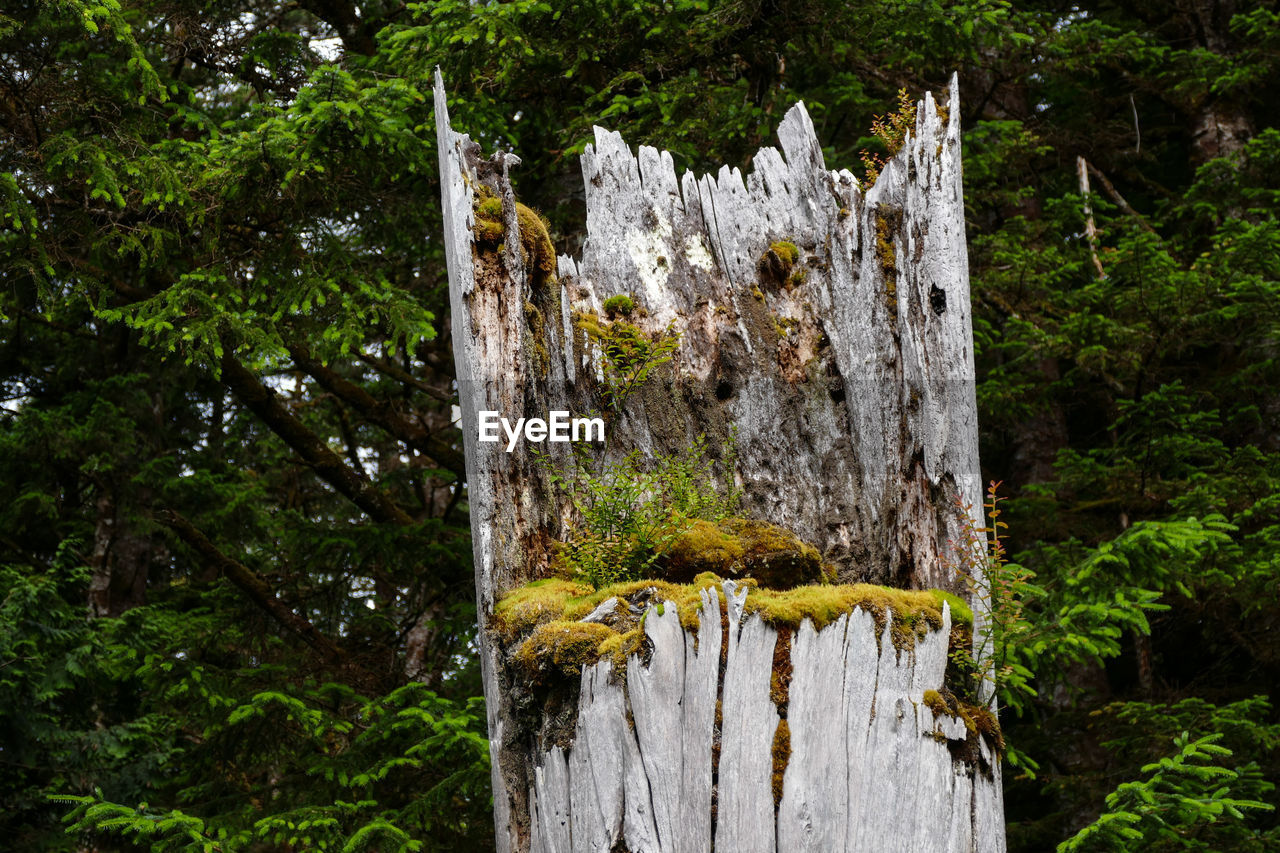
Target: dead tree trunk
(847,373)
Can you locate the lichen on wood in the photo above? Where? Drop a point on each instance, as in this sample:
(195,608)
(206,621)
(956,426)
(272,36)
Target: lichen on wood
(852,393)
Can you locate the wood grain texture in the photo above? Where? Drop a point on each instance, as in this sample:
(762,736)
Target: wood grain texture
(849,381)
(870,769)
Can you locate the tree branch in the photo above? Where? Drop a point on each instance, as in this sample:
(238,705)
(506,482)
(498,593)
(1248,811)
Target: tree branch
(387,368)
(253,585)
(263,402)
(1115,196)
(1090,230)
(381,413)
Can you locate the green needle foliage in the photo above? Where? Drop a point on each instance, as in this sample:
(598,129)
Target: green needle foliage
(1201,796)
(362,752)
(229,480)
(631,510)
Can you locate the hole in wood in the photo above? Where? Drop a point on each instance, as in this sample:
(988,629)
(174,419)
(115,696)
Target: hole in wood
(937,299)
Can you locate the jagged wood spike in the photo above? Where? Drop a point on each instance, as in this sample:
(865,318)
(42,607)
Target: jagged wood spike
(851,389)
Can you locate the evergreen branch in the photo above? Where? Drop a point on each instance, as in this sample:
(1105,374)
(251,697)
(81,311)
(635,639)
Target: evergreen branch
(253,584)
(381,413)
(260,400)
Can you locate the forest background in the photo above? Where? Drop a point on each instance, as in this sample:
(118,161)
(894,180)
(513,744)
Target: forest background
(236,598)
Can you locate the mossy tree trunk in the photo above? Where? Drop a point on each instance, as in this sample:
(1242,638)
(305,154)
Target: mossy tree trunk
(845,367)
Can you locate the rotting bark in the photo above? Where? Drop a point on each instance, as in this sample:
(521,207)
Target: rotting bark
(848,377)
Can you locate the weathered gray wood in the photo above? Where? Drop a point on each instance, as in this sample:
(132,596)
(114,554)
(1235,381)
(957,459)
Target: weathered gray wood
(866,773)
(852,395)
(745,813)
(673,701)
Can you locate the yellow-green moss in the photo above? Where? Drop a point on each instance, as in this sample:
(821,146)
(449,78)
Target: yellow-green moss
(537,327)
(619,306)
(540,622)
(557,599)
(915,612)
(708,543)
(563,647)
(775,264)
(987,724)
(961,613)
(537,250)
(786,252)
(784,325)
(535,239)
(620,647)
(979,722)
(540,618)
(757,292)
(888,221)
(535,603)
(781,671)
(741,548)
(589,322)
(489,227)
(781,757)
(934,702)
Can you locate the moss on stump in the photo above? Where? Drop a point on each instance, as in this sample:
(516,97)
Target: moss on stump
(739,548)
(536,249)
(776,263)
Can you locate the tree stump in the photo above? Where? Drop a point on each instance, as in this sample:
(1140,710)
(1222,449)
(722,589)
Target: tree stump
(827,330)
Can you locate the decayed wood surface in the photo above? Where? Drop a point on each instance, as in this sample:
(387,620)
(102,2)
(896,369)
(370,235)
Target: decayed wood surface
(852,395)
(857,780)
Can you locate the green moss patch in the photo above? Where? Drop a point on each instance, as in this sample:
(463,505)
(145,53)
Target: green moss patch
(786,252)
(776,263)
(961,613)
(540,627)
(619,306)
(915,612)
(489,227)
(980,723)
(557,599)
(536,248)
(780,678)
(781,757)
(535,242)
(934,702)
(589,323)
(562,647)
(540,624)
(888,223)
(740,548)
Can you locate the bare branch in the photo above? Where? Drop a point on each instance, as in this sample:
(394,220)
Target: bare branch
(381,413)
